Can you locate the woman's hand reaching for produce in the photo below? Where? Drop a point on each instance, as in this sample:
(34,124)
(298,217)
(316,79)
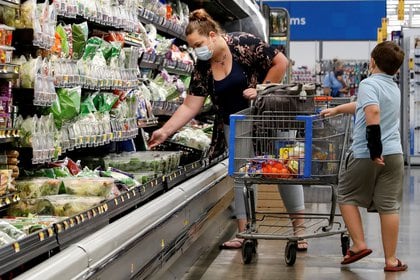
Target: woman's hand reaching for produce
(157,138)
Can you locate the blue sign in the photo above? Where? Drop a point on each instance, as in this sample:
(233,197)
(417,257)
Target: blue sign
(327,20)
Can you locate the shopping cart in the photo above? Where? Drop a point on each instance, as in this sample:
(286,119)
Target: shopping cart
(277,145)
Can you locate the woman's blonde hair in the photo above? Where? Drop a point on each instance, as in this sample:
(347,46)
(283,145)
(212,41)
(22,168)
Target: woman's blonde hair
(202,22)
(337,63)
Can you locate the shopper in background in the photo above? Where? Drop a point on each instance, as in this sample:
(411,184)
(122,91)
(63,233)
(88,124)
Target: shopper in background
(228,69)
(334,84)
(372,177)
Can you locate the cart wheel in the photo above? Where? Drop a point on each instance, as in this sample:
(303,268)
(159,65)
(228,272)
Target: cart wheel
(255,245)
(248,249)
(290,253)
(345,243)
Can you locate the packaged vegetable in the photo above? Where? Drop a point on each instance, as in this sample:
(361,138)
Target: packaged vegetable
(56,205)
(80,35)
(88,186)
(37,187)
(5,239)
(11,231)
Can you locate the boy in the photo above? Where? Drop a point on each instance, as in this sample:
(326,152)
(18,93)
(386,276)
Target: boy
(373,173)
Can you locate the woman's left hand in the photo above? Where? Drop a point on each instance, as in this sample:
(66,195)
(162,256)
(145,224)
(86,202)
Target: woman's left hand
(250,93)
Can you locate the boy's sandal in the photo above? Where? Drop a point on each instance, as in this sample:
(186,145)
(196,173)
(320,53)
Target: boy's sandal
(302,245)
(352,256)
(235,243)
(399,267)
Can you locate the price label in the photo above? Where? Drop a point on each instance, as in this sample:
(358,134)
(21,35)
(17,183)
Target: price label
(50,232)
(94,213)
(78,219)
(71,222)
(116,201)
(128,196)
(16,246)
(66,225)
(134,192)
(7,201)
(105,207)
(122,198)
(59,228)
(41,236)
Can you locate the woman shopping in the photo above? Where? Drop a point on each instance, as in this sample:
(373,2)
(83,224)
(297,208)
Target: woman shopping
(228,69)
(334,84)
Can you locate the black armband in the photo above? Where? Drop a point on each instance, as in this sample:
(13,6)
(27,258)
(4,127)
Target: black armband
(373,137)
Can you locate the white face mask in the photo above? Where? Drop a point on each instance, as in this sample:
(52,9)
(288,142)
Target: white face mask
(203,53)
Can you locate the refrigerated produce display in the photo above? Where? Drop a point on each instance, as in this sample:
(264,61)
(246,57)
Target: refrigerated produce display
(82,83)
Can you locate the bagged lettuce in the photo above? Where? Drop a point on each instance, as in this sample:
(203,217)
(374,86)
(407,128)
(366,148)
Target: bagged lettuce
(55,205)
(37,187)
(88,186)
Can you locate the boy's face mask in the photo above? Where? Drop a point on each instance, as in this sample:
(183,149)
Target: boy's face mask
(203,53)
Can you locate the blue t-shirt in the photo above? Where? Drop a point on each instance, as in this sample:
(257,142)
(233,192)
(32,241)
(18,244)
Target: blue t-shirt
(330,81)
(379,89)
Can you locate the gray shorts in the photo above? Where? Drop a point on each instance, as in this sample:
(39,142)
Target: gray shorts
(366,184)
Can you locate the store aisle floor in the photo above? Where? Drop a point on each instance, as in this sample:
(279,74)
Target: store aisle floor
(322,260)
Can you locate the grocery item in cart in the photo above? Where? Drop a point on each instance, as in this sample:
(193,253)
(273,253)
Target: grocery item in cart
(55,205)
(37,187)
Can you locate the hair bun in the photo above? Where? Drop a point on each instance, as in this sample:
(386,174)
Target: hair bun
(199,15)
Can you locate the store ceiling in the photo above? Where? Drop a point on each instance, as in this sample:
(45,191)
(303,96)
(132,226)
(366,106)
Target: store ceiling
(410,6)
(221,11)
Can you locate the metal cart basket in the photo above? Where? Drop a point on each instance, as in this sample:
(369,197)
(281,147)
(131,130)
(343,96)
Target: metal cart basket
(282,146)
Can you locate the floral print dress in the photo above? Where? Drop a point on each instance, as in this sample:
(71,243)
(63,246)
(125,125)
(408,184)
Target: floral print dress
(255,57)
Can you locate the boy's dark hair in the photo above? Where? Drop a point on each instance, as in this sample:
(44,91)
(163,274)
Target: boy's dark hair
(388,57)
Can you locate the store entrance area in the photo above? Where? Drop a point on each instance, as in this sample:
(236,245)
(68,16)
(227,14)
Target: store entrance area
(322,260)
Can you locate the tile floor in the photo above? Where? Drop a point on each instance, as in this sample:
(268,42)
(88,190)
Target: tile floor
(322,260)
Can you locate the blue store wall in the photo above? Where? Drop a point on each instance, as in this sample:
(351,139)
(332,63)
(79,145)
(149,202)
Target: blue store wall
(327,20)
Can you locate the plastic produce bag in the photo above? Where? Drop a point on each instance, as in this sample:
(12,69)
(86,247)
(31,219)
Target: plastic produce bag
(33,188)
(5,239)
(105,101)
(80,35)
(89,186)
(11,231)
(88,106)
(67,105)
(55,205)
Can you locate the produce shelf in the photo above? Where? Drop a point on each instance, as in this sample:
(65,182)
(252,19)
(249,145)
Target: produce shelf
(151,188)
(79,226)
(9,71)
(147,122)
(123,202)
(24,250)
(163,25)
(174,178)
(7,199)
